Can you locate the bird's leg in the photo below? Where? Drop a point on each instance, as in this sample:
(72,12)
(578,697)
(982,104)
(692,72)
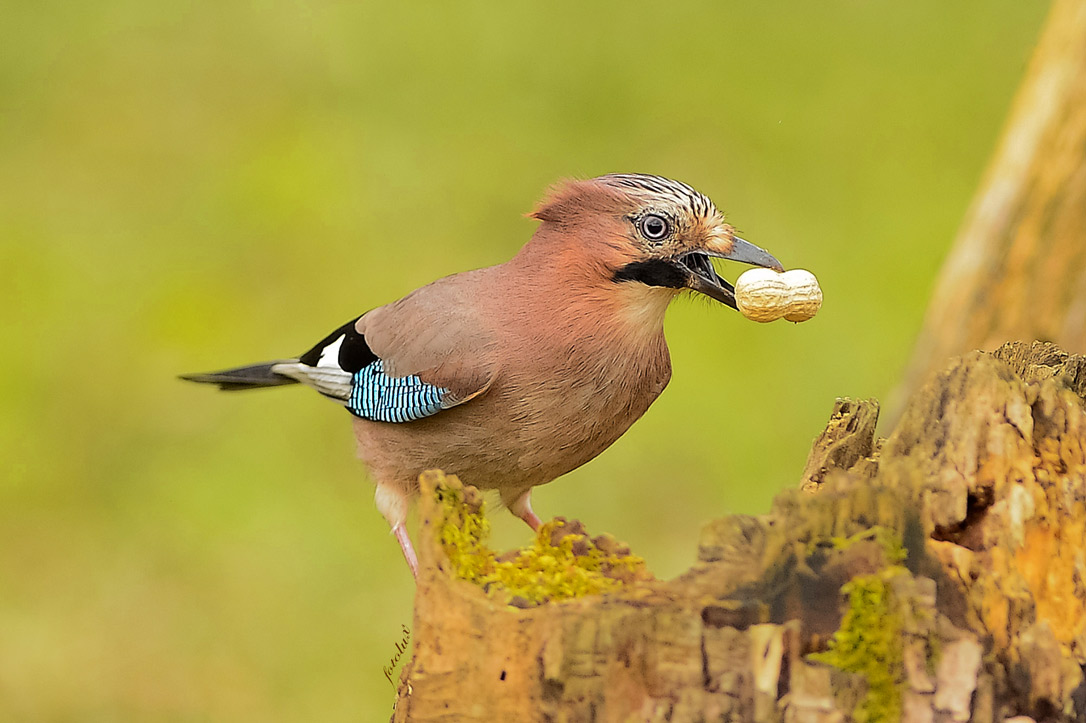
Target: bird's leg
(400,531)
(392,503)
(522,508)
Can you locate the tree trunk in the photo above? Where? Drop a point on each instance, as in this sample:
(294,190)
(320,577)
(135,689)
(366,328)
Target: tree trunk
(1018,267)
(937,575)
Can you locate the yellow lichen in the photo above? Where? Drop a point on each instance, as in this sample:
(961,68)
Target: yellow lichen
(562,562)
(1052,544)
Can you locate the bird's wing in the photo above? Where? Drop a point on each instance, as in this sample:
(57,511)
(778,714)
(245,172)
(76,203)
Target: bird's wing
(401,362)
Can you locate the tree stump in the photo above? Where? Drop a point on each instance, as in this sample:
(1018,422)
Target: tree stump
(936,575)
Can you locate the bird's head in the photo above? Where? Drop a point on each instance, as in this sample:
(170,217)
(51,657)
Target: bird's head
(649,230)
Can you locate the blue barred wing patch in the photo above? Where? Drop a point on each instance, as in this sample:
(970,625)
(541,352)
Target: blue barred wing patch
(378,397)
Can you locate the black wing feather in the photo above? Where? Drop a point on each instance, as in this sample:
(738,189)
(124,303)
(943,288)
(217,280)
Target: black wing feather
(354,352)
(253,376)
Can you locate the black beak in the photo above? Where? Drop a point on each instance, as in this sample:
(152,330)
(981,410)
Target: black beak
(704,279)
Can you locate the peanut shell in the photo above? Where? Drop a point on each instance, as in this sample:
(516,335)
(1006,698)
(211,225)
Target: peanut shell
(765,295)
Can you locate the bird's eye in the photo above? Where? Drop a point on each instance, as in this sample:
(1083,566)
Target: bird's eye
(654,227)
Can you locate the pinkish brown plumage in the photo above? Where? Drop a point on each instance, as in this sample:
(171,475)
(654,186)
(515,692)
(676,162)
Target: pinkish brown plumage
(512,375)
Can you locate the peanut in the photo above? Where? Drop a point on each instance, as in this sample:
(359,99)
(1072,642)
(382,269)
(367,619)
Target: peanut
(765,295)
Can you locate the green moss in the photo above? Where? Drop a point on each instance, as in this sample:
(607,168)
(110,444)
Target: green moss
(464,532)
(561,563)
(888,540)
(869,643)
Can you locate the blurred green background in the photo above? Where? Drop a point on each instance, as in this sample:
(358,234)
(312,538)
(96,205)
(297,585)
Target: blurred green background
(189,186)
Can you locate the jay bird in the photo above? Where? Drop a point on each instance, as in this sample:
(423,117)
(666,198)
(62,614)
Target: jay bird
(512,375)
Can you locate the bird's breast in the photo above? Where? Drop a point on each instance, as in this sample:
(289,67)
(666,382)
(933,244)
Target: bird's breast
(575,398)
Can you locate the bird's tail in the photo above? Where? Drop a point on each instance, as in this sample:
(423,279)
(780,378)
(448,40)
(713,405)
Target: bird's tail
(253,376)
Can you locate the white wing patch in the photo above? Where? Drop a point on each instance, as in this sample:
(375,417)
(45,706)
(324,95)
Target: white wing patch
(330,354)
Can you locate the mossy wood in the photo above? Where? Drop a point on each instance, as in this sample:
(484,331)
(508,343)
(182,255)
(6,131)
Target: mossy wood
(1017,269)
(936,575)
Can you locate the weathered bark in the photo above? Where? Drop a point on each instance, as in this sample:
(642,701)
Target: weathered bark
(1017,269)
(960,542)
